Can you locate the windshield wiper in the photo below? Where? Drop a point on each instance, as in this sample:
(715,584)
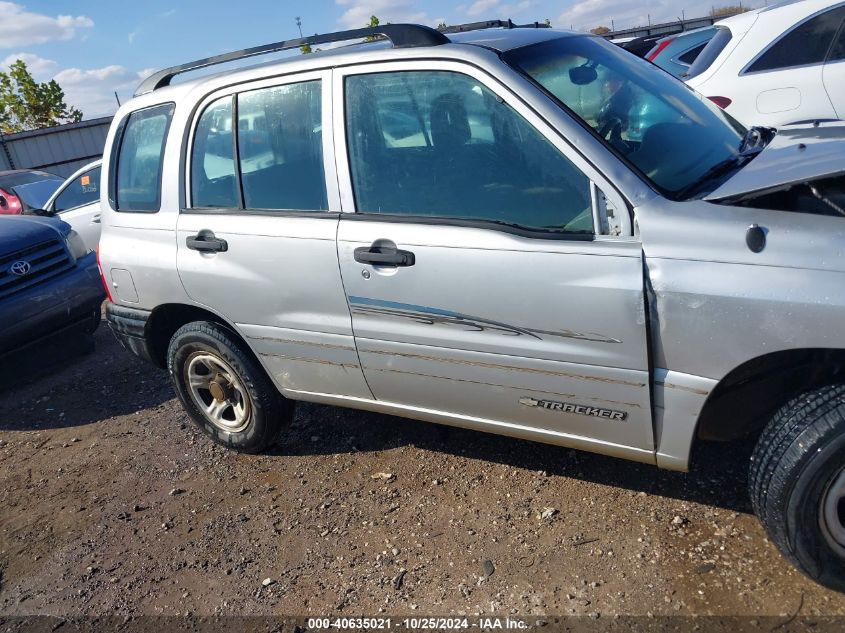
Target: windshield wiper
(719,169)
(755,141)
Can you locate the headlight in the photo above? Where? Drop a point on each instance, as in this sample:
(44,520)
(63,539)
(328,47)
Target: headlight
(75,245)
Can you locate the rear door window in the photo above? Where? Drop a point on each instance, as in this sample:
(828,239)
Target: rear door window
(83,190)
(280,148)
(139,160)
(837,51)
(213,178)
(806,44)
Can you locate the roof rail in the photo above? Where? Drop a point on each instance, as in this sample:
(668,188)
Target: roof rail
(492,24)
(401,35)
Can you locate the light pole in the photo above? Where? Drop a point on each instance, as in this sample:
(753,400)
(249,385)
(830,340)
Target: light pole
(299,25)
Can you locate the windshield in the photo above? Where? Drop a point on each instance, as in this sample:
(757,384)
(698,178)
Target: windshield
(671,134)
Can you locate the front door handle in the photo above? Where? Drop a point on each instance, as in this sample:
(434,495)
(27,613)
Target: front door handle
(205,242)
(384,256)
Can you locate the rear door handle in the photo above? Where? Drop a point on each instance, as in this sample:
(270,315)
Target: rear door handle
(95,219)
(384,256)
(205,242)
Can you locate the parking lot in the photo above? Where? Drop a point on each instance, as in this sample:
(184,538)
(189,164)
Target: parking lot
(113,503)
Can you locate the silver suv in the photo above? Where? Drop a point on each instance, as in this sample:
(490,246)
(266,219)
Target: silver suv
(511,229)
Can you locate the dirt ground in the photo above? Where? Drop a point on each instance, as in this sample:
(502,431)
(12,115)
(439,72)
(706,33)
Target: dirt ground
(112,502)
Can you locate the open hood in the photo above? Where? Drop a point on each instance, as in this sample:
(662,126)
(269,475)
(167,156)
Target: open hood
(798,153)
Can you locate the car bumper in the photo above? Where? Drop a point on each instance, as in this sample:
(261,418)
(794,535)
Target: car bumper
(65,303)
(129,326)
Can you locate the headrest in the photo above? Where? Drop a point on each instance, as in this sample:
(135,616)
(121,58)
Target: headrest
(449,121)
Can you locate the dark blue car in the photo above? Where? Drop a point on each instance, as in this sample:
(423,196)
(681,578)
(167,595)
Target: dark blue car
(49,285)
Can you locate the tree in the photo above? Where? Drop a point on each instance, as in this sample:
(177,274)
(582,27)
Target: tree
(600,30)
(731,9)
(548,22)
(305,49)
(442,25)
(26,104)
(374,22)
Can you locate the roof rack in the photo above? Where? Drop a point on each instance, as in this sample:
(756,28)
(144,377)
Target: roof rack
(401,35)
(492,24)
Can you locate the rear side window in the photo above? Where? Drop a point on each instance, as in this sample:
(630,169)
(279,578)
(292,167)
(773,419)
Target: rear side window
(806,44)
(280,148)
(440,144)
(213,179)
(85,189)
(139,160)
(837,53)
(690,56)
(710,52)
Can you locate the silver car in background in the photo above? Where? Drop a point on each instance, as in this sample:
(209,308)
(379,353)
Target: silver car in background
(465,228)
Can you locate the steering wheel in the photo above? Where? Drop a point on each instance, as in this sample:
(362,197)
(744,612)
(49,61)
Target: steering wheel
(611,129)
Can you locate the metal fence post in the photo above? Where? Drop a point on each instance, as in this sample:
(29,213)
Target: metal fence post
(7,152)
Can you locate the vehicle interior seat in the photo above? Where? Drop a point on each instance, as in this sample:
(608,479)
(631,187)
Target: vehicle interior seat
(295,180)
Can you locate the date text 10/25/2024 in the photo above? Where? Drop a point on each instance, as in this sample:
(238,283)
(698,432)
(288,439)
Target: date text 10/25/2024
(421,623)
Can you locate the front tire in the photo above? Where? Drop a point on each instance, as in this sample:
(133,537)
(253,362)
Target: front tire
(224,389)
(797,483)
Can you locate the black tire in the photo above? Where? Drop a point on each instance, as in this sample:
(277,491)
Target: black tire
(269,412)
(799,456)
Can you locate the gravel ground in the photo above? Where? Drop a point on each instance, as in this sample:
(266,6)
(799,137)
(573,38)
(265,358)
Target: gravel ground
(112,502)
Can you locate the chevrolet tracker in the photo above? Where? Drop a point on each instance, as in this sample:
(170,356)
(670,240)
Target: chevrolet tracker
(471,227)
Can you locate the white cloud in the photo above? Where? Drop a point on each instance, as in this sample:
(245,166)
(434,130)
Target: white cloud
(482,6)
(39,67)
(92,91)
(19,27)
(358,13)
(588,14)
(518,10)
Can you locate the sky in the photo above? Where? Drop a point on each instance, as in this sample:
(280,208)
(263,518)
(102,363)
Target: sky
(98,47)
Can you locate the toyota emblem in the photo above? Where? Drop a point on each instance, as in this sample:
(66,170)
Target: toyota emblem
(20,268)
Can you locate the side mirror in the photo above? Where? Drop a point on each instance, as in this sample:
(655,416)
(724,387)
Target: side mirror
(583,75)
(3,202)
(41,212)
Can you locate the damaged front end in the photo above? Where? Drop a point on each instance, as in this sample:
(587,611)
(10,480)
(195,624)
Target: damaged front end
(802,170)
(823,196)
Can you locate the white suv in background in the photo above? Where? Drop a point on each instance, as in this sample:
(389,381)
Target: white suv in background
(781,64)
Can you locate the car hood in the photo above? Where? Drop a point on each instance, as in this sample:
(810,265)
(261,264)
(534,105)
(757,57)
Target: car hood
(18,232)
(34,195)
(798,153)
